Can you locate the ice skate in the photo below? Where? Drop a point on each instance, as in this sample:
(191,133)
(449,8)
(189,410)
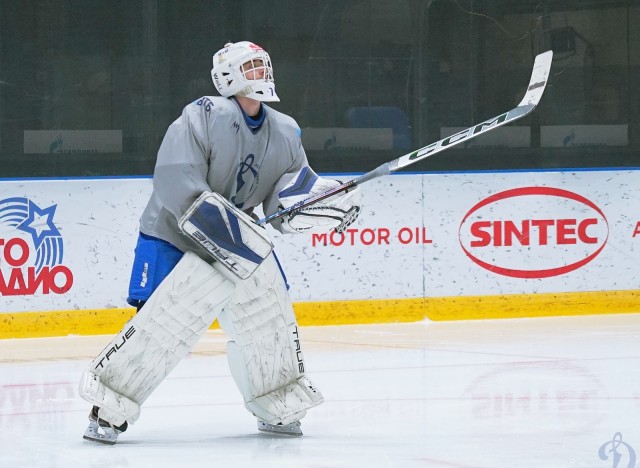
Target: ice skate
(292,429)
(102,431)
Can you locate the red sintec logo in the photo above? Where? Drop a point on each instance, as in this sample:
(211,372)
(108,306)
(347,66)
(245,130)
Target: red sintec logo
(533,232)
(31,250)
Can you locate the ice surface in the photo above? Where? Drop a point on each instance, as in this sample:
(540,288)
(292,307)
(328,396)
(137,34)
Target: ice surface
(537,393)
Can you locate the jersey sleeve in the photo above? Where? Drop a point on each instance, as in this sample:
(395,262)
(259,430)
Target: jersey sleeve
(294,143)
(180,174)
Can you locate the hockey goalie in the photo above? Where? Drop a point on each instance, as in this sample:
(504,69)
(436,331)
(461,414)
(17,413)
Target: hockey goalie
(200,255)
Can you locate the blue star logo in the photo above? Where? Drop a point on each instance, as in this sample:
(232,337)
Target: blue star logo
(39,223)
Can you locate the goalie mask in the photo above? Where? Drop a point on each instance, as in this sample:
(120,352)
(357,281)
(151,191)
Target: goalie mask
(244,69)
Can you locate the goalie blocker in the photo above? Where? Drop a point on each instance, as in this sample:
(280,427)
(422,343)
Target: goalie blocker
(230,236)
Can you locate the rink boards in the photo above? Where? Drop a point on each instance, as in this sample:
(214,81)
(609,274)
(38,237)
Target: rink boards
(436,246)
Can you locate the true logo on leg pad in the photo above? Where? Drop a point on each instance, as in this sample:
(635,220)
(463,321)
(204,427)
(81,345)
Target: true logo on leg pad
(116,346)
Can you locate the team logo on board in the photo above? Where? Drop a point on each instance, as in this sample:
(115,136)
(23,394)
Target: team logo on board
(533,232)
(620,453)
(31,250)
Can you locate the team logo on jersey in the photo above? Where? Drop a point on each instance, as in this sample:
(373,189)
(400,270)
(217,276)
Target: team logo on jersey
(246,181)
(31,250)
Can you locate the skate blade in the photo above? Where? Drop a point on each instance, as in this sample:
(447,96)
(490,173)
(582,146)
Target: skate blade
(100,440)
(102,435)
(289,430)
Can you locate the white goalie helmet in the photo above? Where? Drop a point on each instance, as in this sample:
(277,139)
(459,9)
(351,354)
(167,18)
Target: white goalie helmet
(244,69)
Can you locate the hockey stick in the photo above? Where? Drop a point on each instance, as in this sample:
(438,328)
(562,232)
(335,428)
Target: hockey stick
(537,84)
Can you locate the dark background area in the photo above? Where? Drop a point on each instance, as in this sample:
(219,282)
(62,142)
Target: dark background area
(424,65)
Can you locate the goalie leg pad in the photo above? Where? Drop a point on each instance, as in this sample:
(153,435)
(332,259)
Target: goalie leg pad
(265,356)
(114,407)
(152,343)
(283,405)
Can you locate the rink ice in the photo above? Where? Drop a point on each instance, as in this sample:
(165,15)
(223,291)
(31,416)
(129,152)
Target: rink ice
(541,393)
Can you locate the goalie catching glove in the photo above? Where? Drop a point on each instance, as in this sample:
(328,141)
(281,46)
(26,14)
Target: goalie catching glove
(336,212)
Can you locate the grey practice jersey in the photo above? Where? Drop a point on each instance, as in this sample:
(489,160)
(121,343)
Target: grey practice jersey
(211,148)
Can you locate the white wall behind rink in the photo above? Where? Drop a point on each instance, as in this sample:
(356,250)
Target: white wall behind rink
(68,244)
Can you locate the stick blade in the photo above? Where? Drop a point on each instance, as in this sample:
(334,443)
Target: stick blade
(539,78)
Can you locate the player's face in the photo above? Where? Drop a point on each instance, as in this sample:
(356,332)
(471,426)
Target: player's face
(253,69)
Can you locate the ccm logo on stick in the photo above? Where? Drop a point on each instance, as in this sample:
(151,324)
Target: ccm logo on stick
(533,232)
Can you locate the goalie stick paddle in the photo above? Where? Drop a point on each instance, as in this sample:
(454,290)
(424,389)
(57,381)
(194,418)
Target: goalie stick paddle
(537,84)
